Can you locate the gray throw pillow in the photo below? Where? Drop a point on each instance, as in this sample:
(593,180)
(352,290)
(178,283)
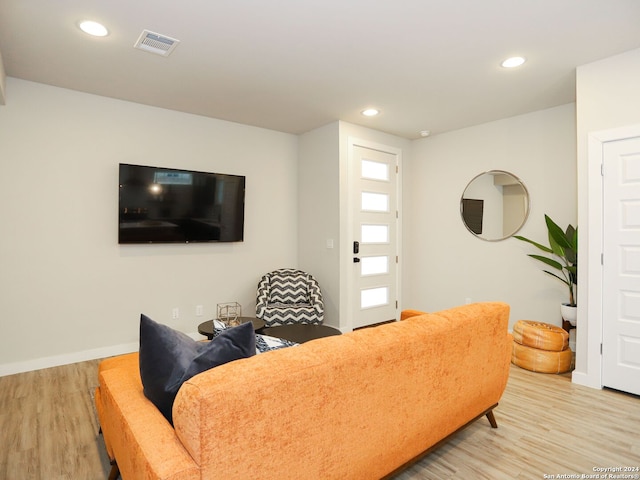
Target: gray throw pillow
(168,358)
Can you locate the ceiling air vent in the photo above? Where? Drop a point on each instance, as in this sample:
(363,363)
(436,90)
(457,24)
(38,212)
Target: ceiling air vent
(156,43)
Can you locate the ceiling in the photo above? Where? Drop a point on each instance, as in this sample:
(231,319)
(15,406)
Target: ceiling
(295,65)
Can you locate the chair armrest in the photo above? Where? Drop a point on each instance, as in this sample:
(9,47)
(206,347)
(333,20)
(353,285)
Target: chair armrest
(315,296)
(262,297)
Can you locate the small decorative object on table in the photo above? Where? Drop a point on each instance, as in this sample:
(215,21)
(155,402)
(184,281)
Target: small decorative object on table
(228,313)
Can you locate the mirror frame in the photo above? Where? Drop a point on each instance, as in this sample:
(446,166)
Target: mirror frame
(526,213)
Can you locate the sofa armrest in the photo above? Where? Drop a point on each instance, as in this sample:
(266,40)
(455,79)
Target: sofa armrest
(410,313)
(143,442)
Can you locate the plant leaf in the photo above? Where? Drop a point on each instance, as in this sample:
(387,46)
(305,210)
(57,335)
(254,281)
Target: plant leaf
(549,261)
(555,247)
(540,246)
(559,278)
(556,233)
(571,234)
(572,237)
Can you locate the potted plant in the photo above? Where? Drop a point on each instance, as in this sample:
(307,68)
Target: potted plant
(563,250)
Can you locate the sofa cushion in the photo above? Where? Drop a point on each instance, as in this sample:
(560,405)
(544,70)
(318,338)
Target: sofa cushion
(168,358)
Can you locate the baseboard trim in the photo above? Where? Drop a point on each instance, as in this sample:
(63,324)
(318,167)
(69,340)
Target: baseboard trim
(393,320)
(66,359)
(580,378)
(75,357)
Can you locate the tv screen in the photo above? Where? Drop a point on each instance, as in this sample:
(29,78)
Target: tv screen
(166,205)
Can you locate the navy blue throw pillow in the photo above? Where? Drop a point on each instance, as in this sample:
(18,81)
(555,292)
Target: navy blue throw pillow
(168,358)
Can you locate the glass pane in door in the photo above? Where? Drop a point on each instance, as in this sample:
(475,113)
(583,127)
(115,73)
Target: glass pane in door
(374,202)
(374,297)
(374,170)
(374,233)
(374,265)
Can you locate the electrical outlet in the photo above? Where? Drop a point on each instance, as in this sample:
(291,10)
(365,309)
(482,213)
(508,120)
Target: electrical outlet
(175,313)
(199,310)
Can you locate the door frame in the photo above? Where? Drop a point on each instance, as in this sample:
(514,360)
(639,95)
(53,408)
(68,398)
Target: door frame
(590,316)
(347,258)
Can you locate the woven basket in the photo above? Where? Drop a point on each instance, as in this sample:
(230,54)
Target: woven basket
(540,335)
(542,361)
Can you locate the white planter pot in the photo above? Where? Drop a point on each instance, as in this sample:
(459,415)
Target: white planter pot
(569,313)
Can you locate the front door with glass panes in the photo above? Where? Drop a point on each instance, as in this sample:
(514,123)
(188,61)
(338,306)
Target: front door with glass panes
(374,247)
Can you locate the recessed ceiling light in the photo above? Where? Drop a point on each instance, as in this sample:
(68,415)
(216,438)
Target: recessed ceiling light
(94,28)
(513,62)
(425,133)
(370,112)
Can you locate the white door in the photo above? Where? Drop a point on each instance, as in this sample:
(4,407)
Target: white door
(374,245)
(621,266)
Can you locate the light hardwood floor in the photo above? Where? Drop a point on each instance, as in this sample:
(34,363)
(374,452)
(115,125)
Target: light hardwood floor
(546,426)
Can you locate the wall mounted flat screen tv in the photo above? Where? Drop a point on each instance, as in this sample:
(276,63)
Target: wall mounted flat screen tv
(166,205)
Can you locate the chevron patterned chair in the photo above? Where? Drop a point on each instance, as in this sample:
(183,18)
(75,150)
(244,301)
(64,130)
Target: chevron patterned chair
(289,296)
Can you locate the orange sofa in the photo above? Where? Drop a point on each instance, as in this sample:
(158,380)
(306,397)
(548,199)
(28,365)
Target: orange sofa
(362,405)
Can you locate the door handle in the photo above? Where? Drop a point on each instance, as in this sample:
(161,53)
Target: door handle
(356,247)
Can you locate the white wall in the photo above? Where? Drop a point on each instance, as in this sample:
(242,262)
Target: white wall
(3,81)
(319,213)
(68,290)
(608,98)
(448,265)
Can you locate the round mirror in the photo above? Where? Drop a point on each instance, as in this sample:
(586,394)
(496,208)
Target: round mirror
(495,205)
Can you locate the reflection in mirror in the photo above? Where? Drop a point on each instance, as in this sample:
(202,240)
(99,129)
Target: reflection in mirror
(495,205)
